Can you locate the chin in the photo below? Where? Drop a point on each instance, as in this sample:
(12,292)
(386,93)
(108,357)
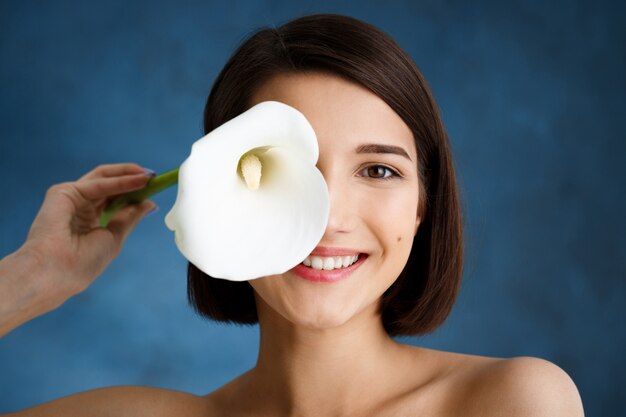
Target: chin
(319,308)
(320,323)
(320,317)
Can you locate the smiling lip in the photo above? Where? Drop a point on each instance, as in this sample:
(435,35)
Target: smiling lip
(334,275)
(326,251)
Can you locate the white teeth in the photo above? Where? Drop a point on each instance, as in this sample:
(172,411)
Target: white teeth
(317,263)
(329,263)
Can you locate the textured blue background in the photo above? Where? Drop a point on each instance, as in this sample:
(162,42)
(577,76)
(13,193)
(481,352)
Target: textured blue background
(532,95)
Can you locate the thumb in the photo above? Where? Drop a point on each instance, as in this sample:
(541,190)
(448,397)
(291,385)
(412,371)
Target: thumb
(127,218)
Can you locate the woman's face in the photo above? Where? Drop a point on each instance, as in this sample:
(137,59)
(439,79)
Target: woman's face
(372,211)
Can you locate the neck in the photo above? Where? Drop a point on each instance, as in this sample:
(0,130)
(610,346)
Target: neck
(322,371)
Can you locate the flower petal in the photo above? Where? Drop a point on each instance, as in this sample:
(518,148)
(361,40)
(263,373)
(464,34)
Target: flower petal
(232,232)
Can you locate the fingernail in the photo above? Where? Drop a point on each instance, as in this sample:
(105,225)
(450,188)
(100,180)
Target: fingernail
(152,210)
(149,172)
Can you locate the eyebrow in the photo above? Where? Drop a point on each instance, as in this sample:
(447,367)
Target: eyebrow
(380,148)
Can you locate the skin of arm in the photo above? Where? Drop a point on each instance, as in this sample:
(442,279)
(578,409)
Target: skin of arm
(24,295)
(122,401)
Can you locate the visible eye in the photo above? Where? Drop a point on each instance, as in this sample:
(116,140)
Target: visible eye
(377,172)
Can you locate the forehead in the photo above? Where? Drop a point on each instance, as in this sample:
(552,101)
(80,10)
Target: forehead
(341,112)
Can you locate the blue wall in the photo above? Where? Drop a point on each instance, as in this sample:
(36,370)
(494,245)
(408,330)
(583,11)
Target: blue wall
(532,95)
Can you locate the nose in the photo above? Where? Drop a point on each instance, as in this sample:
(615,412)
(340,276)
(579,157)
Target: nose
(343,214)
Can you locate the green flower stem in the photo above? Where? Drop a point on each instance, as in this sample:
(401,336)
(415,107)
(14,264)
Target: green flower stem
(155,185)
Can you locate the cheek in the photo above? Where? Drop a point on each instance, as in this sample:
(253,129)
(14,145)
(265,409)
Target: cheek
(267,288)
(269,292)
(393,215)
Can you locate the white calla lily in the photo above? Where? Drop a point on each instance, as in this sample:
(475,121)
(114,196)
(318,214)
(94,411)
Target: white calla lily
(251,202)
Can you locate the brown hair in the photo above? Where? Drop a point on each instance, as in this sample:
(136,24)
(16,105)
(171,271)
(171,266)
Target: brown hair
(423,294)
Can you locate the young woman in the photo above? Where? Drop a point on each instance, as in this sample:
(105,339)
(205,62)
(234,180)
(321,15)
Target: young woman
(326,348)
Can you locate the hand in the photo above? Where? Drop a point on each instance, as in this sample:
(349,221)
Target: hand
(65,236)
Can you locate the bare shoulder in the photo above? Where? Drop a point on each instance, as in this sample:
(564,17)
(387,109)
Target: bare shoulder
(454,384)
(521,386)
(123,401)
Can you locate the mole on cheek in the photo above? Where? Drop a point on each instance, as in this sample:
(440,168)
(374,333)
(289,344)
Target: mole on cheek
(399,238)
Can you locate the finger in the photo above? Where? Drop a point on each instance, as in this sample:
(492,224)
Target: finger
(113,170)
(126,219)
(99,188)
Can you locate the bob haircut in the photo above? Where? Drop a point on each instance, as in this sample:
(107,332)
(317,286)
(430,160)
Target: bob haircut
(422,296)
